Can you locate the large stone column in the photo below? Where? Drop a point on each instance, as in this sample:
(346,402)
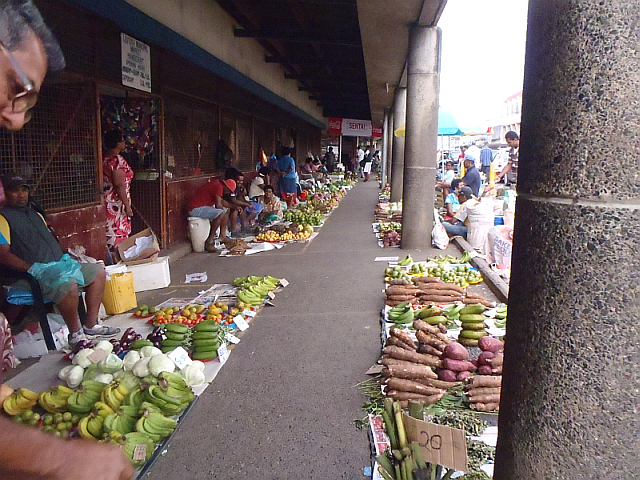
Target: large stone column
(420,149)
(397,156)
(570,392)
(383,149)
(389,136)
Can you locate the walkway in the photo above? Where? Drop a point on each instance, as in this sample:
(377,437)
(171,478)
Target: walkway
(283,405)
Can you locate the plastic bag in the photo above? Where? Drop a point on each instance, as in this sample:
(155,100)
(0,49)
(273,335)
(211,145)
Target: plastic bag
(55,274)
(439,237)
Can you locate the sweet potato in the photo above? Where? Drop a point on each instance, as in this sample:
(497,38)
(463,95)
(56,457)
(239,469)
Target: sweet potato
(497,360)
(483,301)
(458,365)
(475,362)
(438,292)
(415,397)
(415,357)
(403,336)
(475,392)
(406,385)
(490,398)
(426,280)
(400,281)
(440,298)
(485,370)
(400,297)
(386,360)
(496,370)
(462,376)
(485,407)
(443,385)
(395,303)
(490,344)
(444,286)
(446,375)
(456,351)
(442,327)
(484,357)
(428,349)
(414,371)
(425,327)
(485,381)
(391,340)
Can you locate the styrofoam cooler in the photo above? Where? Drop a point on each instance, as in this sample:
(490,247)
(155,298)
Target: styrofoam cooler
(198,232)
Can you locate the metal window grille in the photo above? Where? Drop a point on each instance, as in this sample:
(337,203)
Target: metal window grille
(56,151)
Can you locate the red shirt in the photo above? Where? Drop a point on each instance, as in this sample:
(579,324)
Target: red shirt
(206,195)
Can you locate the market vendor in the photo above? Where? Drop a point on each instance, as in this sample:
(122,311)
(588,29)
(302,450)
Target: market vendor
(27,241)
(288,179)
(208,202)
(451,203)
(471,174)
(256,189)
(272,210)
(244,212)
(459,223)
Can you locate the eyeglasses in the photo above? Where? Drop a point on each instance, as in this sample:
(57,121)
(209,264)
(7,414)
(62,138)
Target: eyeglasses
(27,98)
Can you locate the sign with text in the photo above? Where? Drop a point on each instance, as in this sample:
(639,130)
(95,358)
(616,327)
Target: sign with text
(136,63)
(349,127)
(376,132)
(335,126)
(439,444)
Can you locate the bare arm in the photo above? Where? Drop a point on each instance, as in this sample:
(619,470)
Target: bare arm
(56,459)
(505,170)
(120,188)
(12,261)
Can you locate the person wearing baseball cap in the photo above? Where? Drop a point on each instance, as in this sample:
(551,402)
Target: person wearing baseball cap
(458,225)
(471,174)
(208,202)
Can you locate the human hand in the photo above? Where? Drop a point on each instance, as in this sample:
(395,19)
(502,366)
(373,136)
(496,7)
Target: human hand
(107,462)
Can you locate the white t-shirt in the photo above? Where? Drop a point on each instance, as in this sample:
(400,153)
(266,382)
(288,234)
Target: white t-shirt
(360,155)
(254,188)
(479,218)
(448,177)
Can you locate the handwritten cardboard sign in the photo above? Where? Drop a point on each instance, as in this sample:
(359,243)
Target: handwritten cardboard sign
(439,444)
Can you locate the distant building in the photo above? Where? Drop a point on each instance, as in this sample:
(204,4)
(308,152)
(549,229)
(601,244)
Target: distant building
(509,118)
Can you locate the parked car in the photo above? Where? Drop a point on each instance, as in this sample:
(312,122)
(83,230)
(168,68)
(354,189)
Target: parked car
(500,155)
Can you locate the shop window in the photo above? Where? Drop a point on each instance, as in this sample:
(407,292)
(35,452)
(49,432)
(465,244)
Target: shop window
(191,138)
(56,150)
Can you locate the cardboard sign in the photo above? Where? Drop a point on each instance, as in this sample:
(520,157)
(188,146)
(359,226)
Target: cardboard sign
(271,295)
(180,357)
(223,353)
(284,282)
(240,322)
(439,444)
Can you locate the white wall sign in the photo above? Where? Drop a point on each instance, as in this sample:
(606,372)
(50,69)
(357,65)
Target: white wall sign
(356,128)
(136,63)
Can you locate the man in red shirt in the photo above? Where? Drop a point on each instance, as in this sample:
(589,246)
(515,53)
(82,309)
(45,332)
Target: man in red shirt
(208,202)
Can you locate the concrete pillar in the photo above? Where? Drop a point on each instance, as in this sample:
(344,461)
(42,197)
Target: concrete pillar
(420,149)
(570,390)
(397,156)
(383,148)
(389,136)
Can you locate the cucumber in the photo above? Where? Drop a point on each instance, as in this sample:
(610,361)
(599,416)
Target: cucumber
(203,335)
(206,343)
(175,336)
(138,344)
(176,327)
(208,327)
(172,343)
(204,355)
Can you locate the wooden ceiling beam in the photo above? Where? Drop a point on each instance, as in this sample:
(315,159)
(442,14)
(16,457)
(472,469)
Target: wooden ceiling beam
(294,37)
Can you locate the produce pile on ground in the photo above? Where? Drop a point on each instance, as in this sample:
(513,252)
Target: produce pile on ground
(254,289)
(388,212)
(304,216)
(426,290)
(391,233)
(275,236)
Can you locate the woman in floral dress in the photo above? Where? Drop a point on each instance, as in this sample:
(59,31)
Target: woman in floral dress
(117,181)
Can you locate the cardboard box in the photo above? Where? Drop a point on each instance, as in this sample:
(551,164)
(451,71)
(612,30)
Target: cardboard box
(119,293)
(150,276)
(32,345)
(147,255)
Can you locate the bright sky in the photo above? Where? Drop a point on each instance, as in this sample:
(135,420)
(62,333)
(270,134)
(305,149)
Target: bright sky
(483,44)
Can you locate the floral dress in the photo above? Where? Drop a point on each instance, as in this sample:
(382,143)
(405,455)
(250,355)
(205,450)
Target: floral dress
(118,223)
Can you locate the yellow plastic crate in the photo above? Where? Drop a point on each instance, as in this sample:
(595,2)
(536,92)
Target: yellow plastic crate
(119,293)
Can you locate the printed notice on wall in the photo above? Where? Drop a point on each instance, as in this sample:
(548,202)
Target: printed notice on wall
(136,63)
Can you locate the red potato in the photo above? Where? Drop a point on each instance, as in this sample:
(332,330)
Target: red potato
(490,344)
(497,360)
(485,370)
(458,365)
(456,351)
(485,357)
(475,362)
(462,376)
(447,375)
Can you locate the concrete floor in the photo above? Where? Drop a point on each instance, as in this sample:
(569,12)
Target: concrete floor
(283,405)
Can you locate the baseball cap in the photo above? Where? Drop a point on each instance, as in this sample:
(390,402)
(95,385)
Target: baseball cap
(466,191)
(12,181)
(231,184)
(469,157)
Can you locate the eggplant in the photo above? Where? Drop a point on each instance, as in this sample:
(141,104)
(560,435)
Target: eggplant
(82,344)
(117,346)
(129,335)
(156,336)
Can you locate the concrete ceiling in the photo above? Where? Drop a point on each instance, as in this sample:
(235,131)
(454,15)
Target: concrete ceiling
(384,29)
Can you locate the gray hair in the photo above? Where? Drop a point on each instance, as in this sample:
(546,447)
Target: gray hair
(20,17)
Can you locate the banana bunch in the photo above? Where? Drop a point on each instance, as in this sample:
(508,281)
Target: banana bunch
(114,394)
(501,316)
(431,315)
(473,326)
(171,396)
(122,421)
(244,282)
(131,441)
(156,425)
(85,396)
(407,260)
(401,313)
(205,340)
(19,401)
(177,335)
(134,397)
(91,426)
(55,399)
(452,312)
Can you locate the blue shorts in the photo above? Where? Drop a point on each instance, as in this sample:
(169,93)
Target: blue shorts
(257,207)
(210,213)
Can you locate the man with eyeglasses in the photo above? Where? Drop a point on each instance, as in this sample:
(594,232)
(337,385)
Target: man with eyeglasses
(28,51)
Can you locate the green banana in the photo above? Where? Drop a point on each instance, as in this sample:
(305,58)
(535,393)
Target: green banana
(428,312)
(472,317)
(475,308)
(501,316)
(473,326)
(406,317)
(472,334)
(405,261)
(468,342)
(436,319)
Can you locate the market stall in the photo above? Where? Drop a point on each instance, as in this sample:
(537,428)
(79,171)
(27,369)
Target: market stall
(434,398)
(134,391)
